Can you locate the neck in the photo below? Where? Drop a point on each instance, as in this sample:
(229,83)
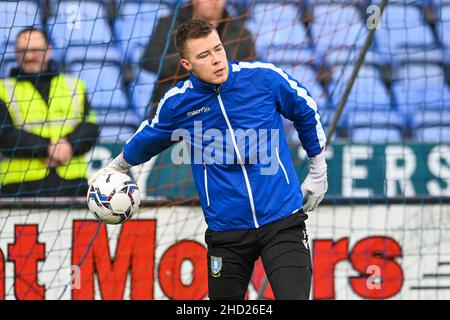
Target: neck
(26,75)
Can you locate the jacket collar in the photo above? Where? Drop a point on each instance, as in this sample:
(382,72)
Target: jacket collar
(202,86)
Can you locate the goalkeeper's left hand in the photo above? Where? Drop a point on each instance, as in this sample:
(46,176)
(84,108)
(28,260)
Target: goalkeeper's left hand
(117,165)
(316,183)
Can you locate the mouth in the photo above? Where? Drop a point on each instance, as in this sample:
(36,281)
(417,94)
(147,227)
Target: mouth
(219,72)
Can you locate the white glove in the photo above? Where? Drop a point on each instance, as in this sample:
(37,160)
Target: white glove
(117,165)
(316,183)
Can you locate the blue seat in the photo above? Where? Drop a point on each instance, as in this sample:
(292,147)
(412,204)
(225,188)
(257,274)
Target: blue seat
(368,91)
(430,54)
(7,63)
(141,91)
(337,25)
(16,15)
(307,76)
(103,83)
(375,126)
(116,125)
(283,56)
(403,28)
(346,57)
(421,85)
(443,25)
(292,134)
(369,115)
(277,25)
(78,23)
(103,79)
(135,23)
(431,125)
(100,52)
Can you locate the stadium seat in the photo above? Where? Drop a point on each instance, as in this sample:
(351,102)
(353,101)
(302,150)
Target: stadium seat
(307,77)
(116,125)
(337,25)
(78,23)
(368,91)
(135,23)
(346,57)
(117,120)
(403,28)
(292,134)
(443,25)
(283,56)
(103,82)
(431,125)
(277,25)
(141,90)
(421,85)
(15,16)
(429,54)
(100,52)
(7,63)
(375,125)
(369,115)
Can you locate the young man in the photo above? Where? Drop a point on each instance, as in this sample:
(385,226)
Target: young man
(253,205)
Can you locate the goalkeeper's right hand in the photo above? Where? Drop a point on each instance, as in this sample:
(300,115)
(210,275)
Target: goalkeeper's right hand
(316,183)
(117,165)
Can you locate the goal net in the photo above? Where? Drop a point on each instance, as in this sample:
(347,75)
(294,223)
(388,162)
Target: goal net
(382,231)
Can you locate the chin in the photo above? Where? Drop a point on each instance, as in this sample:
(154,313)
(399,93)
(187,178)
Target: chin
(31,69)
(220,80)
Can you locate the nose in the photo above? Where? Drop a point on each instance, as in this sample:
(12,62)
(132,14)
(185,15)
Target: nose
(215,59)
(30,55)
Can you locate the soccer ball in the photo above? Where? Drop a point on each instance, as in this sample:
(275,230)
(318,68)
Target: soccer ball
(113,198)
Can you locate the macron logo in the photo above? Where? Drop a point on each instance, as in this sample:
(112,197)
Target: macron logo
(198,111)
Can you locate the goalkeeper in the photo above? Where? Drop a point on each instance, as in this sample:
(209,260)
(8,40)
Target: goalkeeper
(251,211)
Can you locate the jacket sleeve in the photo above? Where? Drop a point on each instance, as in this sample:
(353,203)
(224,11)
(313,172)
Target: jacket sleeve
(85,135)
(296,104)
(19,143)
(152,137)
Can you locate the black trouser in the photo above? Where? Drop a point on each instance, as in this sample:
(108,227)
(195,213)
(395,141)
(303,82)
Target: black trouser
(283,248)
(50,186)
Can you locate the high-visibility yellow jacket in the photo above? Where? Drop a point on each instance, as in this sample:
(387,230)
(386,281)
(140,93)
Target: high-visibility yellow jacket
(30,112)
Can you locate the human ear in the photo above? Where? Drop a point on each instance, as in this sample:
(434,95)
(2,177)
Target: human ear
(186,64)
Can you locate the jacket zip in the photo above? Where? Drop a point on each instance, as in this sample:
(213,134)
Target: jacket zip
(233,139)
(281,165)
(206,183)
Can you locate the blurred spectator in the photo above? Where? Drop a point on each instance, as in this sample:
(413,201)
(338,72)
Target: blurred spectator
(46,125)
(235,36)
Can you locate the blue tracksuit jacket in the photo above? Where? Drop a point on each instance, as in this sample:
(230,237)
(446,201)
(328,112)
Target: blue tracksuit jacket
(227,130)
